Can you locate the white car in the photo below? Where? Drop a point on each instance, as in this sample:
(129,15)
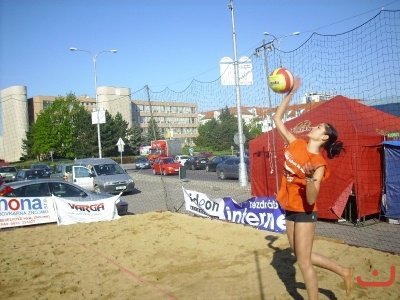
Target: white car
(181,159)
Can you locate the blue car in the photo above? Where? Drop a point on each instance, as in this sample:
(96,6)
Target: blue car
(142,162)
(211,166)
(229,168)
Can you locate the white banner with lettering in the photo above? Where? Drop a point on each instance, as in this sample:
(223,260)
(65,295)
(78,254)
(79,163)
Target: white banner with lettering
(70,212)
(15,212)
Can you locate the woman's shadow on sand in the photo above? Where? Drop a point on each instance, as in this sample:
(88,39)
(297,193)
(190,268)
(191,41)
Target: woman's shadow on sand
(283,261)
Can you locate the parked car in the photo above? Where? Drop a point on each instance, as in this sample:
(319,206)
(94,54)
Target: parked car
(57,187)
(229,168)
(1,180)
(62,171)
(142,162)
(211,166)
(108,176)
(182,159)
(196,162)
(30,174)
(8,173)
(166,166)
(47,170)
(205,153)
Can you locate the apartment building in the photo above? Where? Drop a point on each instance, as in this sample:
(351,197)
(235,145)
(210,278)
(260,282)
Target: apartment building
(112,99)
(175,119)
(38,103)
(178,120)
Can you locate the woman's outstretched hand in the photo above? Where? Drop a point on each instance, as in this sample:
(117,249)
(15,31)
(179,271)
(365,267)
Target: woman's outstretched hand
(296,85)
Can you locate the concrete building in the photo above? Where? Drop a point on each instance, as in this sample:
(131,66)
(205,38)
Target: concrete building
(175,119)
(13,122)
(310,97)
(178,120)
(116,100)
(112,99)
(38,103)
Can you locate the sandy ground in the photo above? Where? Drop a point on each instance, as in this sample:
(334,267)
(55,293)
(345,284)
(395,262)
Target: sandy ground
(164,255)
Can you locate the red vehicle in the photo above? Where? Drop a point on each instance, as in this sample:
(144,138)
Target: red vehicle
(164,148)
(166,166)
(4,163)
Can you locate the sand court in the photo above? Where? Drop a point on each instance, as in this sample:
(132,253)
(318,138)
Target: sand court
(164,255)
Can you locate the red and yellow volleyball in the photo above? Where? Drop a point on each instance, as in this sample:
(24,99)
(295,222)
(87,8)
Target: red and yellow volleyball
(281,80)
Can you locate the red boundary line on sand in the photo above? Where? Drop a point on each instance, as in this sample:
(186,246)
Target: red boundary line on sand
(130,273)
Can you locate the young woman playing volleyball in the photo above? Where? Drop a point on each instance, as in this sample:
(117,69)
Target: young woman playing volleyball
(304,170)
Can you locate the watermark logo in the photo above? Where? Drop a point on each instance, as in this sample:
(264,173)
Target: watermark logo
(378,283)
(304,126)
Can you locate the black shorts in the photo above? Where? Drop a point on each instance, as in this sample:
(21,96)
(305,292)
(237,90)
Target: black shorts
(302,217)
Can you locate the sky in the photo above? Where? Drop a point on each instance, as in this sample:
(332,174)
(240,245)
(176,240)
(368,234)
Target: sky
(160,43)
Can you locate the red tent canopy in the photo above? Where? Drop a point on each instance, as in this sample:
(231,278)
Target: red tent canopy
(359,168)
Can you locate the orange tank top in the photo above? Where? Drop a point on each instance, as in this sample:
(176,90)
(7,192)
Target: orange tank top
(292,194)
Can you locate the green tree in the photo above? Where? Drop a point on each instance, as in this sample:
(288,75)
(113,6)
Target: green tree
(153,132)
(254,128)
(27,144)
(135,138)
(85,143)
(219,135)
(61,128)
(226,130)
(44,137)
(206,133)
(114,128)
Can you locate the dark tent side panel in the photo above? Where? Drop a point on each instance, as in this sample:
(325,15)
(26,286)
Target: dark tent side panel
(392,179)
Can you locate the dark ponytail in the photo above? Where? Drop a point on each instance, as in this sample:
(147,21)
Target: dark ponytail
(332,146)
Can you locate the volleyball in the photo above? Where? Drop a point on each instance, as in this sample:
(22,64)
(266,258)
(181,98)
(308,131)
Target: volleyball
(281,80)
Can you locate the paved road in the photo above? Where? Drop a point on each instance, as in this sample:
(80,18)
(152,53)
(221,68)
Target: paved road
(202,175)
(156,192)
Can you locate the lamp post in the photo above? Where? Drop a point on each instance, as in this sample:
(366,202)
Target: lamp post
(94,58)
(242,166)
(279,41)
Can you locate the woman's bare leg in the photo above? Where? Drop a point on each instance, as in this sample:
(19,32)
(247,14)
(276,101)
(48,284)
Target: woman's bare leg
(300,236)
(303,242)
(344,272)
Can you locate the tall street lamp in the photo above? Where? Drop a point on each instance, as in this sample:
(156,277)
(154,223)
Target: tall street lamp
(94,57)
(243,179)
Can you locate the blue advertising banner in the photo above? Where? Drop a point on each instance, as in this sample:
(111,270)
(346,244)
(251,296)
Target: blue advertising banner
(392,178)
(261,212)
